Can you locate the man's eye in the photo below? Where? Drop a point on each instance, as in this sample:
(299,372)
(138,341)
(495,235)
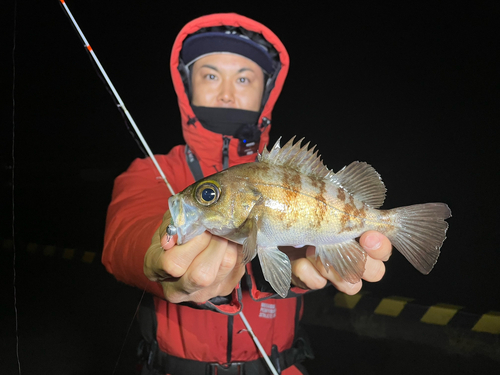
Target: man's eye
(243,80)
(210,76)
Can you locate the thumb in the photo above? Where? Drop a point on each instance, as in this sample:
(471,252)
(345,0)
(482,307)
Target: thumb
(376,245)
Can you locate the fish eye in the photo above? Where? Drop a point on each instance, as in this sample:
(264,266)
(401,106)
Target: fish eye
(207,193)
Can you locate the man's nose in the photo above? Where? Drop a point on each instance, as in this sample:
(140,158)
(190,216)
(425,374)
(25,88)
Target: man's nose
(226,93)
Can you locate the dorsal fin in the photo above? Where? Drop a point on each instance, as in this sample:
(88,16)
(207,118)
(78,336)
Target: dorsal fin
(362,181)
(358,179)
(296,157)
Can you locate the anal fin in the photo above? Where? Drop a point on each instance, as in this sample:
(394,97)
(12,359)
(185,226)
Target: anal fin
(347,258)
(276,268)
(250,243)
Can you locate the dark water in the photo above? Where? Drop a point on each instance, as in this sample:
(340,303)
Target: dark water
(413,90)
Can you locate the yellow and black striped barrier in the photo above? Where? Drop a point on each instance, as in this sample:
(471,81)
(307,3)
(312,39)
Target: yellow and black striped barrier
(440,314)
(51,251)
(447,327)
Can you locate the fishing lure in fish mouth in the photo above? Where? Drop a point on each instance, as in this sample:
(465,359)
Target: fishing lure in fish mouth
(290,198)
(171,230)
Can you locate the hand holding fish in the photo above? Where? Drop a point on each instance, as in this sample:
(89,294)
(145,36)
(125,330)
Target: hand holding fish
(308,271)
(206,267)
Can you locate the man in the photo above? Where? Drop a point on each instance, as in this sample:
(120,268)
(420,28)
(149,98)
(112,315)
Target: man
(227,71)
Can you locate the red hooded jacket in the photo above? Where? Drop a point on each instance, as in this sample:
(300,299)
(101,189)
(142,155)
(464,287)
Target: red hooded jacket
(139,201)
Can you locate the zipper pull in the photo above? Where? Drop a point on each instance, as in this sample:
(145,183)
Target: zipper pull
(225,152)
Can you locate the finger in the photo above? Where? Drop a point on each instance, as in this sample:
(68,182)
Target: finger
(230,282)
(374,270)
(173,292)
(233,257)
(204,268)
(152,266)
(348,288)
(333,276)
(229,274)
(167,242)
(306,276)
(340,284)
(223,288)
(376,245)
(178,259)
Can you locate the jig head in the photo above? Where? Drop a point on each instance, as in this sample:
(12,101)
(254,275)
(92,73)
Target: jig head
(171,231)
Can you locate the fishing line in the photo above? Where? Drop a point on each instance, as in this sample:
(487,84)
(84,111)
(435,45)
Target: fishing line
(12,176)
(128,331)
(144,143)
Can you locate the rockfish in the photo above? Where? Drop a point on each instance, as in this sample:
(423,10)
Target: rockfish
(288,197)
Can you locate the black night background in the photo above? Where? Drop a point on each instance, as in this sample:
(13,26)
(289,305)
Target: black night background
(410,88)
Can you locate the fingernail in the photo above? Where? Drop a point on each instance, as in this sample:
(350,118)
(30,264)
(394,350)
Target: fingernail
(372,242)
(351,286)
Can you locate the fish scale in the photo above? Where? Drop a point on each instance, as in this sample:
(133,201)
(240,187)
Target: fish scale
(316,210)
(290,198)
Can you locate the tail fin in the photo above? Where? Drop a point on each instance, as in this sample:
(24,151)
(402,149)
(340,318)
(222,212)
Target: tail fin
(420,233)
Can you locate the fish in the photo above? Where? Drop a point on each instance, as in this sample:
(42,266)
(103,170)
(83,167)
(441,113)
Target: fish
(288,197)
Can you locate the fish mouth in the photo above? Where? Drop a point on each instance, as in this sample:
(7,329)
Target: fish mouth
(185,218)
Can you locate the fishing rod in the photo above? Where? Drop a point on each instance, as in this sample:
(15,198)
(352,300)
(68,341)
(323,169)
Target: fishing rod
(121,105)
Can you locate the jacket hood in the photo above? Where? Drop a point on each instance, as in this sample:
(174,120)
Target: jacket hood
(206,145)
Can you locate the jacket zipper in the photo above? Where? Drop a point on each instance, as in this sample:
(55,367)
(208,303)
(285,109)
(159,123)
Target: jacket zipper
(265,123)
(225,152)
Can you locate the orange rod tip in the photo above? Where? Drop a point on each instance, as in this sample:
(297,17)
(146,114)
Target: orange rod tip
(89,47)
(62,1)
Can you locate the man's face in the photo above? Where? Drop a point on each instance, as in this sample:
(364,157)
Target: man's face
(226,80)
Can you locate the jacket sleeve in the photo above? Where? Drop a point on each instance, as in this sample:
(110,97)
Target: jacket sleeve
(138,203)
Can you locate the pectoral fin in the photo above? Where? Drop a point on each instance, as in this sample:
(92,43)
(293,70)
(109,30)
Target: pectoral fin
(277,269)
(347,258)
